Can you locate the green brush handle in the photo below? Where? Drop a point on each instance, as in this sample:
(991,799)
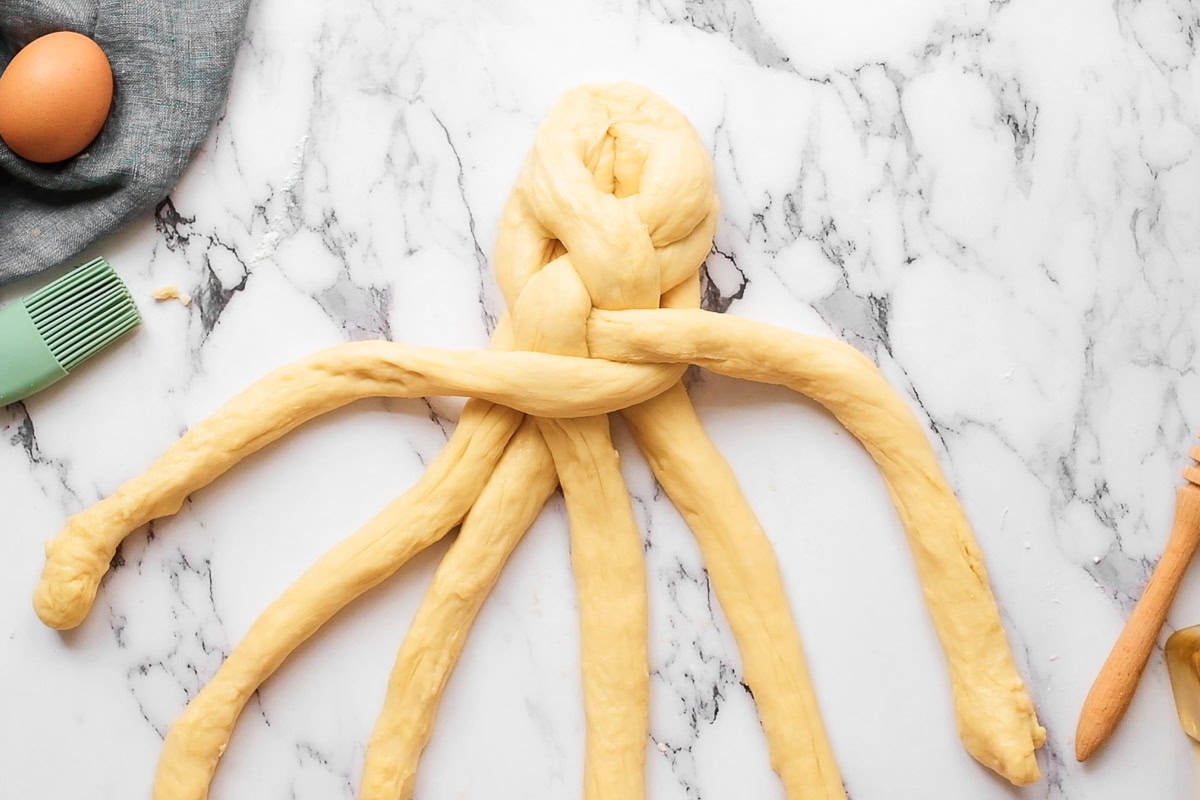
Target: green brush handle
(26,363)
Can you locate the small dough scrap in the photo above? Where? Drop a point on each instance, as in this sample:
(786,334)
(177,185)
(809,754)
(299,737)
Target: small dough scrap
(171,292)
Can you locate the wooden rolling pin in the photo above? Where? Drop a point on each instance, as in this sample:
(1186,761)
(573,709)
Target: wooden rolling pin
(1110,694)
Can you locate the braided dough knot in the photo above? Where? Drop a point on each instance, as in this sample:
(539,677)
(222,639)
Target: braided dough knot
(614,210)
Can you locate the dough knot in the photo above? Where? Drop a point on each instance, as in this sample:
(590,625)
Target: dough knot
(614,210)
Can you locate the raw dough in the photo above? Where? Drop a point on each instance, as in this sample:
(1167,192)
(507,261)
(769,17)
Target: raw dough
(513,497)
(171,292)
(996,719)
(597,256)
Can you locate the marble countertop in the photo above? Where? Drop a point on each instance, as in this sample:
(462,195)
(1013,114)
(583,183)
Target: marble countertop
(998,202)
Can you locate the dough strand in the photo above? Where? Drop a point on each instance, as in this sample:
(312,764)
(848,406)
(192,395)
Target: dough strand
(996,719)
(743,570)
(514,495)
(417,519)
(536,383)
(610,579)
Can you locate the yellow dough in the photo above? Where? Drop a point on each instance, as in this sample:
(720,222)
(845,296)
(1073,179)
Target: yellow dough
(171,292)
(597,257)
(79,556)
(513,497)
(745,575)
(996,718)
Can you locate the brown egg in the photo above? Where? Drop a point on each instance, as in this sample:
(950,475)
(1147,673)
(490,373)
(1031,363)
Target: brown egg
(54,97)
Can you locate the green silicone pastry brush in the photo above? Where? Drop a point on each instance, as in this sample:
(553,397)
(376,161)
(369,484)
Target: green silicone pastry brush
(52,331)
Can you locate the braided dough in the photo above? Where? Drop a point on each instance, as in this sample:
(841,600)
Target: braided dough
(597,257)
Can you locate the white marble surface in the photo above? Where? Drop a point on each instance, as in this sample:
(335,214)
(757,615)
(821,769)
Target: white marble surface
(999,202)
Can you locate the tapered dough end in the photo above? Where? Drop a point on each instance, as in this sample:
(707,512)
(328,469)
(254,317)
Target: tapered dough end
(70,577)
(62,604)
(1006,740)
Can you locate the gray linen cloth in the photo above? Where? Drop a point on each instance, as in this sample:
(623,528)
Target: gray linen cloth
(171,61)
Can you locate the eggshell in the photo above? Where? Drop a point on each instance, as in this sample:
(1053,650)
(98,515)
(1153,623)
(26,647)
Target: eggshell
(54,97)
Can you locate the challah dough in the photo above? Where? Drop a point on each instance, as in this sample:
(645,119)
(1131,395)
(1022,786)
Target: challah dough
(597,256)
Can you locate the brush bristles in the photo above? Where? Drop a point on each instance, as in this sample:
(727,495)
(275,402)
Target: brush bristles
(82,312)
